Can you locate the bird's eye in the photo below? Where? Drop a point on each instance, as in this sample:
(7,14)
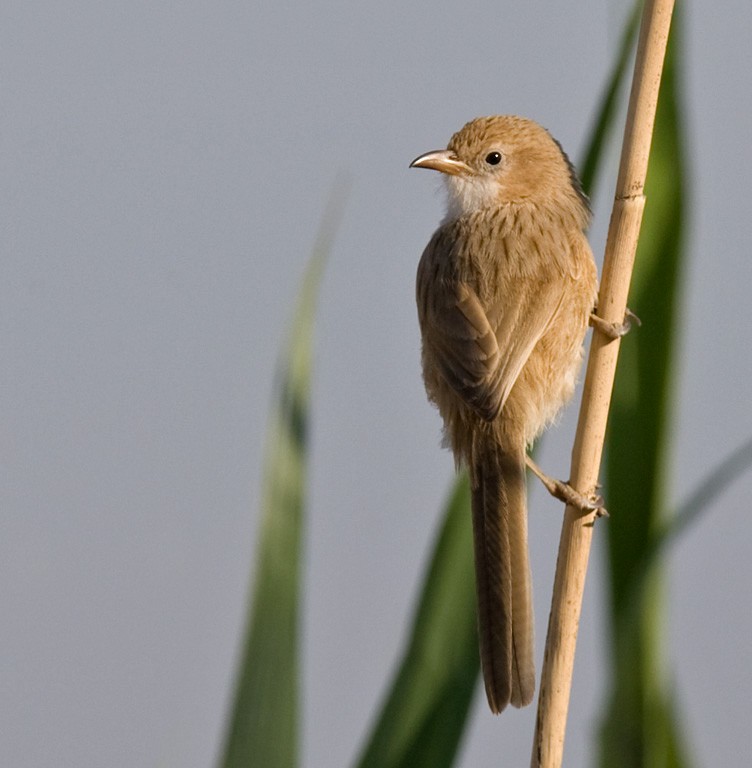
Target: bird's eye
(493,158)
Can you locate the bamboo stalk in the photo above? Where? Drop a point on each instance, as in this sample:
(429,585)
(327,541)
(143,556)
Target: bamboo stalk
(621,245)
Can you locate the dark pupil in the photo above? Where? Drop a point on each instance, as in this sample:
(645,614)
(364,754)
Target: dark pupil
(493,159)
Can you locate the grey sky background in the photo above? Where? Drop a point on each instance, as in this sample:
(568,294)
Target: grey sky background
(164,170)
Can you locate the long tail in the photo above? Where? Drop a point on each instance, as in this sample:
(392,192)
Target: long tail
(502,576)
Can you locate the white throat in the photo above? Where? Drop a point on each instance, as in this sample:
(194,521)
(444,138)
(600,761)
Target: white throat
(468,195)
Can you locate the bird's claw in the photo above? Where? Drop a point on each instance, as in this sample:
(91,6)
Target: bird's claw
(615,330)
(592,502)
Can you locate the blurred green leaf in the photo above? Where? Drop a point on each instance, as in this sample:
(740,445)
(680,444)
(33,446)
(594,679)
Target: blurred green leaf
(737,462)
(604,121)
(640,729)
(263,722)
(707,492)
(660,709)
(422,721)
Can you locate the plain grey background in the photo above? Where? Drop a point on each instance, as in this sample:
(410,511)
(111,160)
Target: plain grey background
(164,170)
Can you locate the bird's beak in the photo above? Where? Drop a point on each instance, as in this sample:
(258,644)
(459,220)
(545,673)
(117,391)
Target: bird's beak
(443,160)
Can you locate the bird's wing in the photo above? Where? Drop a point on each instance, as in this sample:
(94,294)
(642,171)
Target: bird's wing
(480,352)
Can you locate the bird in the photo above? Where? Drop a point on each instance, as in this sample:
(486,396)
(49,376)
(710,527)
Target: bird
(505,290)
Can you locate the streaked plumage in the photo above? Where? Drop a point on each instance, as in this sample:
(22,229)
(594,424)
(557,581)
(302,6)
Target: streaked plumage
(505,288)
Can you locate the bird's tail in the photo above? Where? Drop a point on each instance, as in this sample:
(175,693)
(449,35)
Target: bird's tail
(502,574)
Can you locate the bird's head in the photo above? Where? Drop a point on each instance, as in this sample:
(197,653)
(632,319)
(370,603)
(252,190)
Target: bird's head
(494,161)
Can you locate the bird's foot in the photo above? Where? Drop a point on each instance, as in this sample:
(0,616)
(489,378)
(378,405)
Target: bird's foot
(592,502)
(615,330)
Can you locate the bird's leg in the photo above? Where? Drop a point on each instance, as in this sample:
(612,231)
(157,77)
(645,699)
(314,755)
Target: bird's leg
(564,492)
(615,330)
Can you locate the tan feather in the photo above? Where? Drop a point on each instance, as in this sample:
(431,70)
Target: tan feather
(504,291)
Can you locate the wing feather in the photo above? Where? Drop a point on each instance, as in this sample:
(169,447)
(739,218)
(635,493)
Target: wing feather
(481,350)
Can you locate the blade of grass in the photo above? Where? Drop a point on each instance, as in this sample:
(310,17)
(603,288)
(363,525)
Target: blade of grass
(719,479)
(667,748)
(606,116)
(634,734)
(262,728)
(422,720)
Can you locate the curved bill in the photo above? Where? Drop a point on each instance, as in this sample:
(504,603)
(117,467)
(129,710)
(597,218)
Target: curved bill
(443,160)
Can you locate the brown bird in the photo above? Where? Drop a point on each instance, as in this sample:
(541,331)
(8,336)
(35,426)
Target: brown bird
(505,290)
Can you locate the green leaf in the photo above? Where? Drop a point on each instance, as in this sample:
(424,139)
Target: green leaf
(661,720)
(737,462)
(422,721)
(263,723)
(718,480)
(635,734)
(604,121)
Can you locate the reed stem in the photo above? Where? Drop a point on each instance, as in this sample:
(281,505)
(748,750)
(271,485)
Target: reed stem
(621,246)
